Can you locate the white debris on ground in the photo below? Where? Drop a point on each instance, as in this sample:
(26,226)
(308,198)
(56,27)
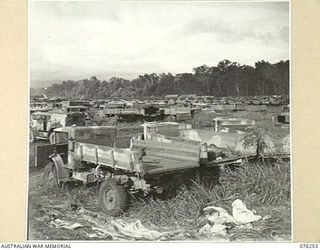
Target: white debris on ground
(137,230)
(102,227)
(65,224)
(242,215)
(219,220)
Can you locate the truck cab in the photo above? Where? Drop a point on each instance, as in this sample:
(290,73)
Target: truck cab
(42,124)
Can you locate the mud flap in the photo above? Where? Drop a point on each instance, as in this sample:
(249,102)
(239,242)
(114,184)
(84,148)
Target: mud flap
(43,152)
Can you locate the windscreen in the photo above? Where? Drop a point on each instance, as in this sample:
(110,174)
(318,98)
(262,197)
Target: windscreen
(61,137)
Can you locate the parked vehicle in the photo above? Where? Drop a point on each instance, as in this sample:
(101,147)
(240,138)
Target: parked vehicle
(121,165)
(42,124)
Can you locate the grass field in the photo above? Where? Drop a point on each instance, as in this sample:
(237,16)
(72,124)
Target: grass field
(264,188)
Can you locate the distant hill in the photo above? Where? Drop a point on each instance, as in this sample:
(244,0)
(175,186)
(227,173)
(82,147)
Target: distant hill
(226,79)
(37,91)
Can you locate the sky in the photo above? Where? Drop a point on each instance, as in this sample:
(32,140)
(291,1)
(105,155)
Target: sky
(73,40)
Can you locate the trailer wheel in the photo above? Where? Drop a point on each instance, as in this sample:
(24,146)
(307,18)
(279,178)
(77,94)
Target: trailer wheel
(49,177)
(113,198)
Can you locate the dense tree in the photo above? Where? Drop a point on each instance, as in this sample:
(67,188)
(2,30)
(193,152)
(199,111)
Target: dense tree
(226,79)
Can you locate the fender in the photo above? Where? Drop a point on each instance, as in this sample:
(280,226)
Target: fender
(55,125)
(62,171)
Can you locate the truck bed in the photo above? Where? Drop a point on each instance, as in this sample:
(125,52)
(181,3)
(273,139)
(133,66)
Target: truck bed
(148,157)
(157,157)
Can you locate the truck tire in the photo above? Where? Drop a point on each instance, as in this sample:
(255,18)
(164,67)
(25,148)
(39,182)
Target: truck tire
(49,177)
(113,198)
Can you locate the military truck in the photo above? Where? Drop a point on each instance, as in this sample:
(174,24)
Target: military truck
(42,124)
(121,165)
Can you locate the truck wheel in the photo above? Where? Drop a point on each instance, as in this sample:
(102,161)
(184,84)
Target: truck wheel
(113,198)
(51,137)
(49,177)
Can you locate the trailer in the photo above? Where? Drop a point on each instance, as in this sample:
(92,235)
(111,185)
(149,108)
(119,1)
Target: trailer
(121,165)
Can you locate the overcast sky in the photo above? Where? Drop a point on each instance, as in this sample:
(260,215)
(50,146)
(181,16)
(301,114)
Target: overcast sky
(76,40)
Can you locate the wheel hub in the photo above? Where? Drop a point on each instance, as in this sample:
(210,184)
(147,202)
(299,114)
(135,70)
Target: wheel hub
(111,199)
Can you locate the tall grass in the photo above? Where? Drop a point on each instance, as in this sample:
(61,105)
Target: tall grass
(203,119)
(262,187)
(256,185)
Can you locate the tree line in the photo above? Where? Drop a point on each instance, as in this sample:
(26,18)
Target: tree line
(226,79)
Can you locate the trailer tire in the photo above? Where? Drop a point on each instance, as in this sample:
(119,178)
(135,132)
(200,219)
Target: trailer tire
(49,177)
(113,198)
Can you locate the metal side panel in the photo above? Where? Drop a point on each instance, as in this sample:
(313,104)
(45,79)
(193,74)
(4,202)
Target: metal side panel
(160,166)
(43,152)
